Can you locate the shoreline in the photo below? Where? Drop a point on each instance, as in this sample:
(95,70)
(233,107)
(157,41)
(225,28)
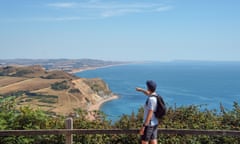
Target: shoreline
(74,71)
(98,105)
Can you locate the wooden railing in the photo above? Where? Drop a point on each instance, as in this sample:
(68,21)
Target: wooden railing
(69,131)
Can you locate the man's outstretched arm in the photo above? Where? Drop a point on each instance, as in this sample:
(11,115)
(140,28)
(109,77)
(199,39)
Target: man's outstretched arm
(146,92)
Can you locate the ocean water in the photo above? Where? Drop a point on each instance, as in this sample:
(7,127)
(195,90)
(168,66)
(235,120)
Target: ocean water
(180,83)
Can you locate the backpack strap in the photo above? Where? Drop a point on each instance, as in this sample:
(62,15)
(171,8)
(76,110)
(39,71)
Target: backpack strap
(154,95)
(151,96)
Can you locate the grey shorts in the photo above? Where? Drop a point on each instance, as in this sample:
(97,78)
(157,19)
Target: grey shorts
(150,133)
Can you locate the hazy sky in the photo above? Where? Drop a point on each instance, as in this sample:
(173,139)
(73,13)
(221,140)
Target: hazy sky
(159,30)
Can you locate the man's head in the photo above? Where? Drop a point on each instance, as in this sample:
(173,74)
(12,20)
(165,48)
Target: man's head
(151,85)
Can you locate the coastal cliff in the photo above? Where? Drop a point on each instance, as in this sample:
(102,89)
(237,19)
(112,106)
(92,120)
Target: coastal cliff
(57,92)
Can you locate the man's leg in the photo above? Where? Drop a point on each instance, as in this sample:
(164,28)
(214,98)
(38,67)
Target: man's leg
(154,135)
(144,142)
(153,141)
(148,132)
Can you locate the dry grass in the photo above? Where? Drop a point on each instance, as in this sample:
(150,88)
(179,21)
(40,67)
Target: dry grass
(65,102)
(37,92)
(25,84)
(5,80)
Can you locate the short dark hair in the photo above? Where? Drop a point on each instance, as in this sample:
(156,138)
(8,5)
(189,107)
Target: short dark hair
(151,85)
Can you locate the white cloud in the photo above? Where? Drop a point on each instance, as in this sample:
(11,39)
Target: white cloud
(164,8)
(110,13)
(100,9)
(58,18)
(95,9)
(62,5)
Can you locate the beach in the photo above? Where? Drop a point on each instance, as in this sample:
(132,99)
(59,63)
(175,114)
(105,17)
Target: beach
(77,70)
(82,69)
(97,106)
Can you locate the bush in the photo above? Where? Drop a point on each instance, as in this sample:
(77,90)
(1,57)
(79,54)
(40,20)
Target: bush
(75,91)
(60,85)
(27,118)
(190,117)
(21,73)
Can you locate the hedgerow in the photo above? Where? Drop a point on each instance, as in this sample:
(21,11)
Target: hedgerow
(188,117)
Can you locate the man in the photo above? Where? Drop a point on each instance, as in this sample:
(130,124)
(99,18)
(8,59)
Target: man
(148,131)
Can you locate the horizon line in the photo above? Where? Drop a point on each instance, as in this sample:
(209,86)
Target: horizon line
(176,60)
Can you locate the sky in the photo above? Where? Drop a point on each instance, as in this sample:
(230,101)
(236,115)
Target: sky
(156,30)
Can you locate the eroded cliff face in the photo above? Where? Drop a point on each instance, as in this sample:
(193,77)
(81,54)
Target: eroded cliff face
(55,91)
(92,90)
(82,94)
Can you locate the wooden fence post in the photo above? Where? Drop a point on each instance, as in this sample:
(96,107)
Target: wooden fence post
(69,125)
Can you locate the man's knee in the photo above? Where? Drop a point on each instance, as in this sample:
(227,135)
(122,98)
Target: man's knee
(144,142)
(153,141)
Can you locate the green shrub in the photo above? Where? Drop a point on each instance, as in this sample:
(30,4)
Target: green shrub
(74,91)
(190,117)
(21,73)
(60,85)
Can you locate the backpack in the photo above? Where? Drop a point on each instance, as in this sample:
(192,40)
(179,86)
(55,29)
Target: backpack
(161,109)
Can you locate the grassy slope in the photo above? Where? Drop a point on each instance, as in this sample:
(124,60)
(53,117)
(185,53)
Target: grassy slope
(38,92)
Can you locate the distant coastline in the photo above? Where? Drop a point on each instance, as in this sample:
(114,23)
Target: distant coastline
(67,65)
(77,70)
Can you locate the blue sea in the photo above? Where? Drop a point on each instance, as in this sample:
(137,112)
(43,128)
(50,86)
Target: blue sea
(181,83)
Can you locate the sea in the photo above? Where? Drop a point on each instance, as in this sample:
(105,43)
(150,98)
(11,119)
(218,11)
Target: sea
(181,83)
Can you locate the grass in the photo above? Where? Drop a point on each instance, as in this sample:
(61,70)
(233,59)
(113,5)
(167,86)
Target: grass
(50,99)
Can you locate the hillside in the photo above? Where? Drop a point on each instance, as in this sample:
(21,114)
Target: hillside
(53,91)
